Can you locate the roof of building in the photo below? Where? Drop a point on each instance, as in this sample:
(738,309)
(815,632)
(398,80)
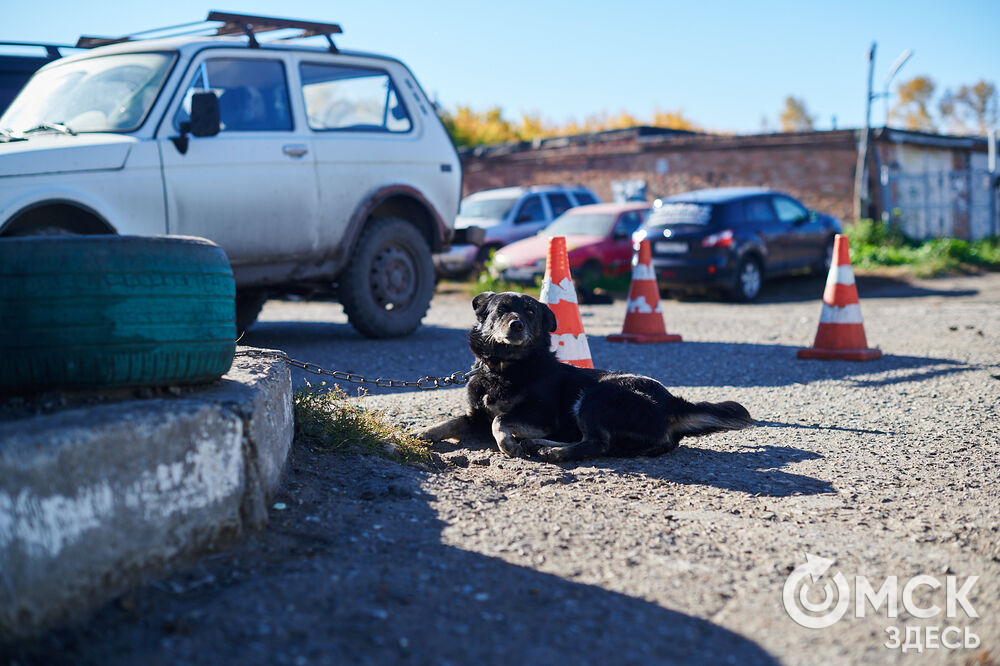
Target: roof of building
(718,194)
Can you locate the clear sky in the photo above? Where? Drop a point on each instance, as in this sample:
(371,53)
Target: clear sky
(726,65)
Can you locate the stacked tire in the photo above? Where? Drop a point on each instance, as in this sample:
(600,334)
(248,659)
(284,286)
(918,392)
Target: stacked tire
(85,312)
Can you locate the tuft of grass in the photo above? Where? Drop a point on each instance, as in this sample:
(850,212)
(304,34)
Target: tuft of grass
(489,280)
(875,245)
(327,418)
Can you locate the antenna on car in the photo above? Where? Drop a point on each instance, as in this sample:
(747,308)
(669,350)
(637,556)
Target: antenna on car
(232,24)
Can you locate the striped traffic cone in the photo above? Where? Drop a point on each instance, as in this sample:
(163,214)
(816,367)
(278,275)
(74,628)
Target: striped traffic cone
(569,342)
(841,332)
(644,316)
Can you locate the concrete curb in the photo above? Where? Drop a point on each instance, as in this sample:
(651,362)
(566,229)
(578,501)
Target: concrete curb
(94,499)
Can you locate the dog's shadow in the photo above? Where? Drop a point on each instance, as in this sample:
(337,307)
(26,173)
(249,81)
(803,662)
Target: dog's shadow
(752,470)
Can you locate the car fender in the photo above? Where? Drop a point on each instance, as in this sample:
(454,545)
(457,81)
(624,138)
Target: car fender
(60,194)
(752,245)
(390,197)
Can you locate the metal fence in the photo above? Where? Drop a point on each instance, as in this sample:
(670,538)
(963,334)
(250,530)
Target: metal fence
(942,204)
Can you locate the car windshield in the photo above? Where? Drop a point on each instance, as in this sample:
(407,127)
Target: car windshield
(103,94)
(679,213)
(491,208)
(581,224)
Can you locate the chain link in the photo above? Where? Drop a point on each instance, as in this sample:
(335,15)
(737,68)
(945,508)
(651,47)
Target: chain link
(427,383)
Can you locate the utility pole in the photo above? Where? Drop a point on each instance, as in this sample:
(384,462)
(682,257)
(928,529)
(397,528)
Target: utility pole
(860,181)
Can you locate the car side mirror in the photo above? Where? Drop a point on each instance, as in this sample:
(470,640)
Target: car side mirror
(205,120)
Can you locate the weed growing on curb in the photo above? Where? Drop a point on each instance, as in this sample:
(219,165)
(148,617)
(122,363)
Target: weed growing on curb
(327,418)
(875,245)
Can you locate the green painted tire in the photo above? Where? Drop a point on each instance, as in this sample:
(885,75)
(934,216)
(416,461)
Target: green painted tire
(113,311)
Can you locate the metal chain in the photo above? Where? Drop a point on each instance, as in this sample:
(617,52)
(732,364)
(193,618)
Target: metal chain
(427,383)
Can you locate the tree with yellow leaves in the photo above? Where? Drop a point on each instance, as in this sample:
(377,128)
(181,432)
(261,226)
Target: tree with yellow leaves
(795,117)
(913,107)
(470,128)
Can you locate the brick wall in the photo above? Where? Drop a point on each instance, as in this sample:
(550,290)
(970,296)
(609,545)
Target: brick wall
(815,167)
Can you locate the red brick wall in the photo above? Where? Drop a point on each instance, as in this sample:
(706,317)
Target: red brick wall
(815,167)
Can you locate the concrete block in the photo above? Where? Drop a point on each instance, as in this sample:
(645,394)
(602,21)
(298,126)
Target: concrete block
(94,499)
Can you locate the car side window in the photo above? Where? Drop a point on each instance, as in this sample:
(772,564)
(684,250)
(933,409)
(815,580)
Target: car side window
(626,224)
(584,198)
(253,94)
(530,211)
(559,203)
(789,211)
(758,210)
(355,99)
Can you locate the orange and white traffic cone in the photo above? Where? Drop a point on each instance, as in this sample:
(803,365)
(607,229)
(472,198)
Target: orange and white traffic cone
(569,342)
(841,332)
(644,316)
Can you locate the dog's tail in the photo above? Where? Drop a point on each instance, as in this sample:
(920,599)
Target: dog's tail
(704,418)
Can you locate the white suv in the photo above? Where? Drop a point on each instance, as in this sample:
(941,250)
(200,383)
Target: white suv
(506,215)
(316,170)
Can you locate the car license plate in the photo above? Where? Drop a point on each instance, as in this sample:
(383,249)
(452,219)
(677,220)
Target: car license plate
(670,247)
(521,273)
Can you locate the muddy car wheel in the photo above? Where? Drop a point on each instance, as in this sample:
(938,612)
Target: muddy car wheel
(388,285)
(113,311)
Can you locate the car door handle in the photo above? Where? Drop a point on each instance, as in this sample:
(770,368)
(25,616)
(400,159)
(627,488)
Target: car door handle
(294,150)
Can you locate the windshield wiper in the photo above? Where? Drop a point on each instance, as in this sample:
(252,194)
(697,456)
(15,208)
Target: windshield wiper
(46,127)
(7,135)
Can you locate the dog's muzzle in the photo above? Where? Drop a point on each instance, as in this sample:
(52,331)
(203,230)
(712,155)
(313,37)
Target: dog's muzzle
(515,332)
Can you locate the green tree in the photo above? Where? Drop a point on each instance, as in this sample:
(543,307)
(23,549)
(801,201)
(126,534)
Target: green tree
(795,117)
(913,107)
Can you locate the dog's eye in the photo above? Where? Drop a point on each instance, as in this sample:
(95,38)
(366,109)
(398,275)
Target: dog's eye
(530,309)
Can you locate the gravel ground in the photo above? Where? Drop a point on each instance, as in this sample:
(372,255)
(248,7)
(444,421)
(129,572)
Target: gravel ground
(888,468)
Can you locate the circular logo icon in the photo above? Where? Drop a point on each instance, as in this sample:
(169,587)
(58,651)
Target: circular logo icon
(826,613)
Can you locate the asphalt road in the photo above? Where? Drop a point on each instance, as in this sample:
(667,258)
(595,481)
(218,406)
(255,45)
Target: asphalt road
(884,468)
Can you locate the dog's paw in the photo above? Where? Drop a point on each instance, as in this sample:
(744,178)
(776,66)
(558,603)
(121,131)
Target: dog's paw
(549,453)
(530,447)
(511,448)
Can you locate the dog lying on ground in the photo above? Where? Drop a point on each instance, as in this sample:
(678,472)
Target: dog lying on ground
(534,405)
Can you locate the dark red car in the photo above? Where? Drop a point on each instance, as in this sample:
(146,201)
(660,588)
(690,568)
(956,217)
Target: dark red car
(598,240)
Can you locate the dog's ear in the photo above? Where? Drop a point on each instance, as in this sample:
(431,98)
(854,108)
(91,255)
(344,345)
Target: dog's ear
(480,301)
(550,318)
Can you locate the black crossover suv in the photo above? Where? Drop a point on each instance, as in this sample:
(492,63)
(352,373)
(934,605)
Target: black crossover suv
(730,238)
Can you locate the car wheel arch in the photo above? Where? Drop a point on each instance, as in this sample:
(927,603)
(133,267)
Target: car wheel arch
(404,202)
(71,216)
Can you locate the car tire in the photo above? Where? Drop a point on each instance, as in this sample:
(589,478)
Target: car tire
(388,286)
(113,311)
(748,280)
(249,303)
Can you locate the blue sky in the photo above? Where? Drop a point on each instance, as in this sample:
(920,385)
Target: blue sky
(727,65)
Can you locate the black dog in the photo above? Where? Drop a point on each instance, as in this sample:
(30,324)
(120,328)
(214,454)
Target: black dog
(534,405)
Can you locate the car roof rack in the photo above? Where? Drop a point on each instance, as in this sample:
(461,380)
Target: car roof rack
(232,24)
(51,50)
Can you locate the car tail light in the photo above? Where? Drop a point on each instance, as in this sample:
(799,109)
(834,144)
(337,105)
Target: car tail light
(719,239)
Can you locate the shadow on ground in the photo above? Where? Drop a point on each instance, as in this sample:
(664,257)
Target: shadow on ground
(797,288)
(354,571)
(430,350)
(753,470)
(749,364)
(440,351)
